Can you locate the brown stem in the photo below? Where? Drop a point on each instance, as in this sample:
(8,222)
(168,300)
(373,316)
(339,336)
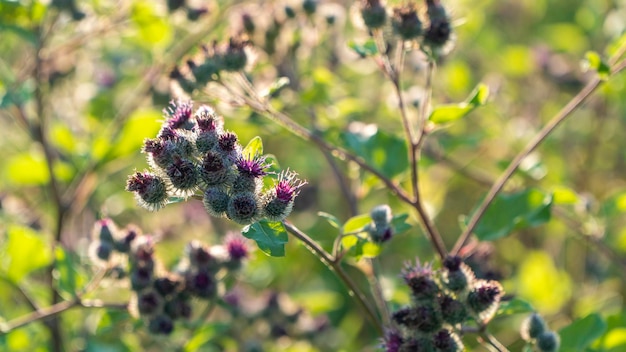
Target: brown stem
(335,265)
(573,104)
(54,310)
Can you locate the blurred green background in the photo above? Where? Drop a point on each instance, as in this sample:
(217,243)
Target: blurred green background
(98,85)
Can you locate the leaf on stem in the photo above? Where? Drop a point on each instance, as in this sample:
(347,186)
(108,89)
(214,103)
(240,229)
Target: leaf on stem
(451,112)
(514,306)
(270,236)
(582,333)
(364,50)
(594,62)
(383,151)
(254,148)
(24,252)
(515,211)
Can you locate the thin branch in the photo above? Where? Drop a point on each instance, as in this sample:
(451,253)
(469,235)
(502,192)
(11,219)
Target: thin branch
(54,310)
(573,104)
(377,292)
(334,265)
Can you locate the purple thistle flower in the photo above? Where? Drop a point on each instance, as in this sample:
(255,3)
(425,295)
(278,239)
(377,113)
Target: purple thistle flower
(420,280)
(228,142)
(150,190)
(236,247)
(288,186)
(179,114)
(392,342)
(254,167)
(279,200)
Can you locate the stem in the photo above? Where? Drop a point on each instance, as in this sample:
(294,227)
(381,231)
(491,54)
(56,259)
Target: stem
(54,310)
(377,292)
(334,265)
(573,104)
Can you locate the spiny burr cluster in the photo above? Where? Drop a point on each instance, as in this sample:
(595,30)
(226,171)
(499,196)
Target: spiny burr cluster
(193,155)
(161,297)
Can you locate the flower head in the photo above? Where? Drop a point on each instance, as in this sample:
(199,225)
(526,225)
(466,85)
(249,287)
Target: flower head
(280,199)
(236,246)
(179,115)
(420,280)
(253,167)
(150,190)
(392,342)
(484,298)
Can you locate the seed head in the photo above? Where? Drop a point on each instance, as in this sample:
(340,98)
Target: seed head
(374,13)
(380,230)
(216,201)
(150,190)
(405,22)
(228,144)
(216,170)
(184,177)
(392,341)
(548,341)
(452,311)
(234,57)
(179,115)
(532,327)
(178,307)
(236,247)
(161,325)
(280,199)
(200,258)
(447,341)
(243,208)
(484,298)
(141,276)
(201,284)
(127,236)
(104,230)
(149,302)
(254,167)
(421,281)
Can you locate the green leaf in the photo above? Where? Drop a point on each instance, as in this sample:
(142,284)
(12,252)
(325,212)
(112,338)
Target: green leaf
(332,220)
(357,224)
(270,236)
(593,61)
(451,112)
(24,252)
(514,306)
(369,249)
(27,169)
(277,86)
(509,212)
(153,29)
(347,242)
(583,332)
(385,152)
(254,148)
(364,50)
(140,125)
(206,333)
(68,275)
(399,224)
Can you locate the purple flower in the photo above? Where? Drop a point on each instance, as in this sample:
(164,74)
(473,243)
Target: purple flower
(254,167)
(236,247)
(150,190)
(288,186)
(392,341)
(179,114)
